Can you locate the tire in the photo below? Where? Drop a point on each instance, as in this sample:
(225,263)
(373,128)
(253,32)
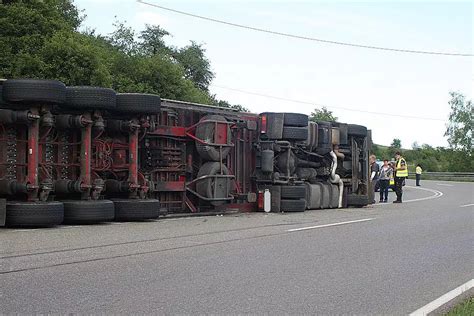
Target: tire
(206,133)
(3,104)
(138,103)
(136,210)
(293,205)
(295,133)
(293,192)
(206,186)
(275,190)
(34,91)
(34,214)
(295,119)
(274,125)
(356,130)
(87,212)
(357,200)
(84,97)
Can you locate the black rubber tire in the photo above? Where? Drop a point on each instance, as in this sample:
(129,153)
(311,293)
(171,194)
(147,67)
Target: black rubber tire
(205,187)
(295,133)
(293,192)
(356,130)
(139,103)
(3,103)
(275,191)
(136,210)
(85,97)
(274,125)
(295,119)
(206,133)
(357,200)
(34,91)
(293,205)
(87,212)
(34,214)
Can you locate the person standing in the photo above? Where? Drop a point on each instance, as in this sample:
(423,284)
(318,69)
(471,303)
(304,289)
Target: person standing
(386,173)
(374,175)
(418,172)
(401,173)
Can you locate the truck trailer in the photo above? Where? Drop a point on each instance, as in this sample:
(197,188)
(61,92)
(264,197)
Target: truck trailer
(81,154)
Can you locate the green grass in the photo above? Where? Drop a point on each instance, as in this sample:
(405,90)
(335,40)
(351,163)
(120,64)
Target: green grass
(465,308)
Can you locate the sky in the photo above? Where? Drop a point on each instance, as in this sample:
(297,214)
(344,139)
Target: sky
(349,81)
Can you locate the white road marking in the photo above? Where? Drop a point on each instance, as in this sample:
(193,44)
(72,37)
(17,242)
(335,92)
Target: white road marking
(330,225)
(440,301)
(444,184)
(467,205)
(436,194)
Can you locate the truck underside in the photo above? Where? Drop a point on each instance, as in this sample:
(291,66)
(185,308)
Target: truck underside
(89,154)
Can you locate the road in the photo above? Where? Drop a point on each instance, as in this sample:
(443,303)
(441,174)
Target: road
(398,259)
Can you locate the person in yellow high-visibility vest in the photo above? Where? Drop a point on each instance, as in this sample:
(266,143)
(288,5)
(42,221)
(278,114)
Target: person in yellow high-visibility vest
(418,172)
(401,173)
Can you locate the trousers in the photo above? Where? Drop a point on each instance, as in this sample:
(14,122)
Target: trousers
(399,187)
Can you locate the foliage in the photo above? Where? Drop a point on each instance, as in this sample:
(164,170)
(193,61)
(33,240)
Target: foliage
(465,308)
(460,125)
(322,114)
(396,143)
(197,67)
(40,39)
(432,159)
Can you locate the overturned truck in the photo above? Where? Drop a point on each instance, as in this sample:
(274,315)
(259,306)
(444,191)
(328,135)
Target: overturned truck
(89,154)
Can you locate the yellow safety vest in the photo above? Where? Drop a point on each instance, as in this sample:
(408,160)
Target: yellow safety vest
(401,173)
(418,170)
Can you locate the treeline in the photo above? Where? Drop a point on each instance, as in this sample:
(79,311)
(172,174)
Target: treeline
(432,159)
(41,39)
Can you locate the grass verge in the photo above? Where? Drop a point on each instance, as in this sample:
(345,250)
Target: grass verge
(464,308)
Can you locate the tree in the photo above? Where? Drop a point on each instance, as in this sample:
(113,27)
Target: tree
(460,125)
(41,39)
(152,41)
(322,114)
(123,38)
(196,66)
(396,143)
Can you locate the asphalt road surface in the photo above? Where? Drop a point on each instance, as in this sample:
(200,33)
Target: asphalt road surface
(387,259)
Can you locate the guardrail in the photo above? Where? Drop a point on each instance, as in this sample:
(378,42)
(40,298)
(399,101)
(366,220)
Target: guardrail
(446,176)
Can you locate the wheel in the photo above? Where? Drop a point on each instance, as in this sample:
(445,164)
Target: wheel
(356,130)
(206,132)
(138,103)
(84,97)
(3,103)
(295,133)
(293,192)
(34,91)
(136,210)
(275,191)
(34,214)
(293,205)
(357,200)
(213,187)
(90,211)
(295,119)
(274,125)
